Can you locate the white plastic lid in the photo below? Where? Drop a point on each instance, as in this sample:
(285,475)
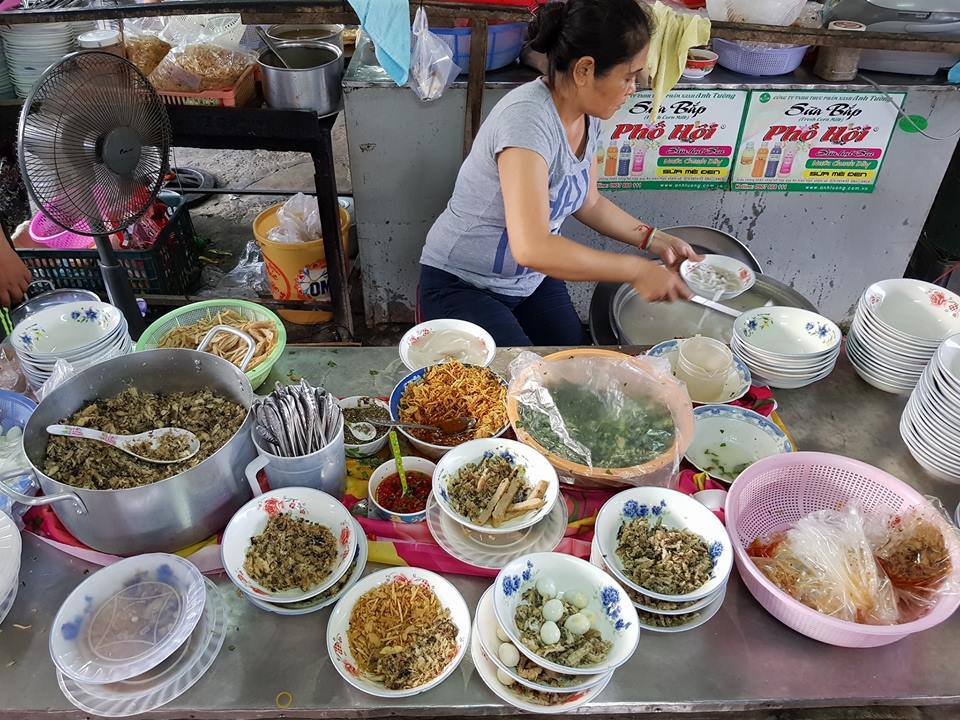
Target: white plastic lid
(93,39)
(127,618)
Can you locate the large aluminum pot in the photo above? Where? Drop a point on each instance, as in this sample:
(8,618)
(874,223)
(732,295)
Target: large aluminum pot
(164,516)
(332,34)
(312,82)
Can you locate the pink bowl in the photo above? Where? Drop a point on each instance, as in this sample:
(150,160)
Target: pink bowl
(772,494)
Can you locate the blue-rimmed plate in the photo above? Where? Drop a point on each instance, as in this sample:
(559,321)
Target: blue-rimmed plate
(728,439)
(674,510)
(607,603)
(736,385)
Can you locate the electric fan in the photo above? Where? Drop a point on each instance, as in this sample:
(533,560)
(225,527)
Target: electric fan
(94,143)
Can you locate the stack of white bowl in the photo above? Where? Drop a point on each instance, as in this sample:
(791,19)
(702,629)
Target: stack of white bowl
(136,635)
(315,506)
(897,328)
(786,347)
(930,424)
(659,612)
(31,48)
(6,85)
(81,333)
(9,563)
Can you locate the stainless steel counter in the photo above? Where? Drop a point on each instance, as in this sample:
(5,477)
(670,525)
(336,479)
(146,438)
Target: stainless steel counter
(742,659)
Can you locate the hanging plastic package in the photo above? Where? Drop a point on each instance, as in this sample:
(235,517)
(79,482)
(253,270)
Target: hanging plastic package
(432,69)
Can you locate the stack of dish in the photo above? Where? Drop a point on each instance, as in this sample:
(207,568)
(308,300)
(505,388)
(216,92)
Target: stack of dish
(9,564)
(245,531)
(30,49)
(81,333)
(728,439)
(549,599)
(706,554)
(897,328)
(930,424)
(136,635)
(6,85)
(487,528)
(786,347)
(419,615)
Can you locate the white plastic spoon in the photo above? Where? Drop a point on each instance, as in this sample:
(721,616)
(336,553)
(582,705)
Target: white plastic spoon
(126,442)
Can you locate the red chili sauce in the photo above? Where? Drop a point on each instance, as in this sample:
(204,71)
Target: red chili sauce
(390,492)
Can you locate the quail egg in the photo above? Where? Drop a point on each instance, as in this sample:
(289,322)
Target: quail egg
(552,610)
(508,654)
(546,588)
(550,633)
(501,635)
(578,599)
(578,623)
(504,678)
(590,615)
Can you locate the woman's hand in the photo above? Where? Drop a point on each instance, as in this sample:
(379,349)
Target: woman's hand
(671,249)
(14,275)
(655,283)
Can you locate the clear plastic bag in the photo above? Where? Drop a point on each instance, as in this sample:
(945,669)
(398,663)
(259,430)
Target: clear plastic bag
(62,372)
(826,562)
(145,48)
(432,69)
(248,275)
(198,67)
(605,418)
(763,12)
(299,221)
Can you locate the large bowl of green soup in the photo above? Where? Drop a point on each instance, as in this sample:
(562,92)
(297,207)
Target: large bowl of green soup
(602,417)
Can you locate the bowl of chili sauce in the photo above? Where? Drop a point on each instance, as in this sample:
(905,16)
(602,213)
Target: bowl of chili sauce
(387,499)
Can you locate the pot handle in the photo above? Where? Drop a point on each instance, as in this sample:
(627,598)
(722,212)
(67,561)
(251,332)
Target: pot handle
(251,345)
(41,500)
(254,467)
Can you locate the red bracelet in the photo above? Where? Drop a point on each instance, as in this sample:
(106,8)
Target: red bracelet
(648,237)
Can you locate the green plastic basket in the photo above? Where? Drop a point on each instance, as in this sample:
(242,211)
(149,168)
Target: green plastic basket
(194,312)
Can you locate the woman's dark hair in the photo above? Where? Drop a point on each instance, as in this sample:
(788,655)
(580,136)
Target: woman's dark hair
(610,31)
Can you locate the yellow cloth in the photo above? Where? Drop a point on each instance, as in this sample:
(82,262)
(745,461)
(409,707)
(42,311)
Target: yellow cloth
(674,34)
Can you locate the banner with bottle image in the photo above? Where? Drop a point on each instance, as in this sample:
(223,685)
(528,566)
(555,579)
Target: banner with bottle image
(691,145)
(814,141)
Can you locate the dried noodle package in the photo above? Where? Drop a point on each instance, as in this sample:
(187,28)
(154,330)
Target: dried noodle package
(602,418)
(200,67)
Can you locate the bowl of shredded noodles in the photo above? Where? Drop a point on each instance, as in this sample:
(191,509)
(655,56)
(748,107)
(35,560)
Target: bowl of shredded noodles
(718,277)
(447,391)
(398,632)
(186,327)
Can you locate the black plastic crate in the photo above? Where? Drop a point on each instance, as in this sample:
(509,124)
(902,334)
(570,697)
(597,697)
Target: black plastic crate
(170,267)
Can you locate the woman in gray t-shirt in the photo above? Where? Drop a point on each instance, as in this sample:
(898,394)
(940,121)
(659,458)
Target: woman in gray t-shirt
(495,256)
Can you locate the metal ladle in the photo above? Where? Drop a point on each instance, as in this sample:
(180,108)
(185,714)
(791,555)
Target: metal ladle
(124,442)
(365,431)
(273,48)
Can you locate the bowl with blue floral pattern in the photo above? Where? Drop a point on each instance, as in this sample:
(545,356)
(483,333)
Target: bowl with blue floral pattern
(670,510)
(787,333)
(565,614)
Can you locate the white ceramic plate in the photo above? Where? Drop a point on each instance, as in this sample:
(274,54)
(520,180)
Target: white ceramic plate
(67,327)
(875,337)
(485,630)
(492,552)
(678,511)
(914,308)
(317,602)
(787,331)
(164,683)
(488,673)
(736,435)
(744,274)
(536,468)
(701,617)
(338,644)
(126,618)
(736,385)
(417,335)
(310,504)
(615,615)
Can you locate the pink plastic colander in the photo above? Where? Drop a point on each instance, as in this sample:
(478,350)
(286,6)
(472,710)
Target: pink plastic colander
(45,231)
(774,493)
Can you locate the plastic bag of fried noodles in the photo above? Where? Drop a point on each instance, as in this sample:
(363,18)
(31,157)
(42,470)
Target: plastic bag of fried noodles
(432,69)
(602,418)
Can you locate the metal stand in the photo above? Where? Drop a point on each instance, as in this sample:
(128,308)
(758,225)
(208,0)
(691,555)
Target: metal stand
(118,286)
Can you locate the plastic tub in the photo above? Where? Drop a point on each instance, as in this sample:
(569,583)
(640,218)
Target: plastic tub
(758,60)
(45,231)
(504,42)
(772,494)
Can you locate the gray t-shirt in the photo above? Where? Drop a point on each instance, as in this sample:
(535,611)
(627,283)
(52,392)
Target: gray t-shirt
(469,239)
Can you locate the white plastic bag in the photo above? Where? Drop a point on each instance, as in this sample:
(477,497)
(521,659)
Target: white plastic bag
(62,372)
(432,69)
(299,220)
(762,12)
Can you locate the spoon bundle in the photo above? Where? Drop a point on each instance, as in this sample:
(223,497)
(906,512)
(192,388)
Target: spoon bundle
(297,420)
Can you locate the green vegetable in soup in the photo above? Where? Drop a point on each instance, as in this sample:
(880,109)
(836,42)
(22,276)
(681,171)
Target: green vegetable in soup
(614,430)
